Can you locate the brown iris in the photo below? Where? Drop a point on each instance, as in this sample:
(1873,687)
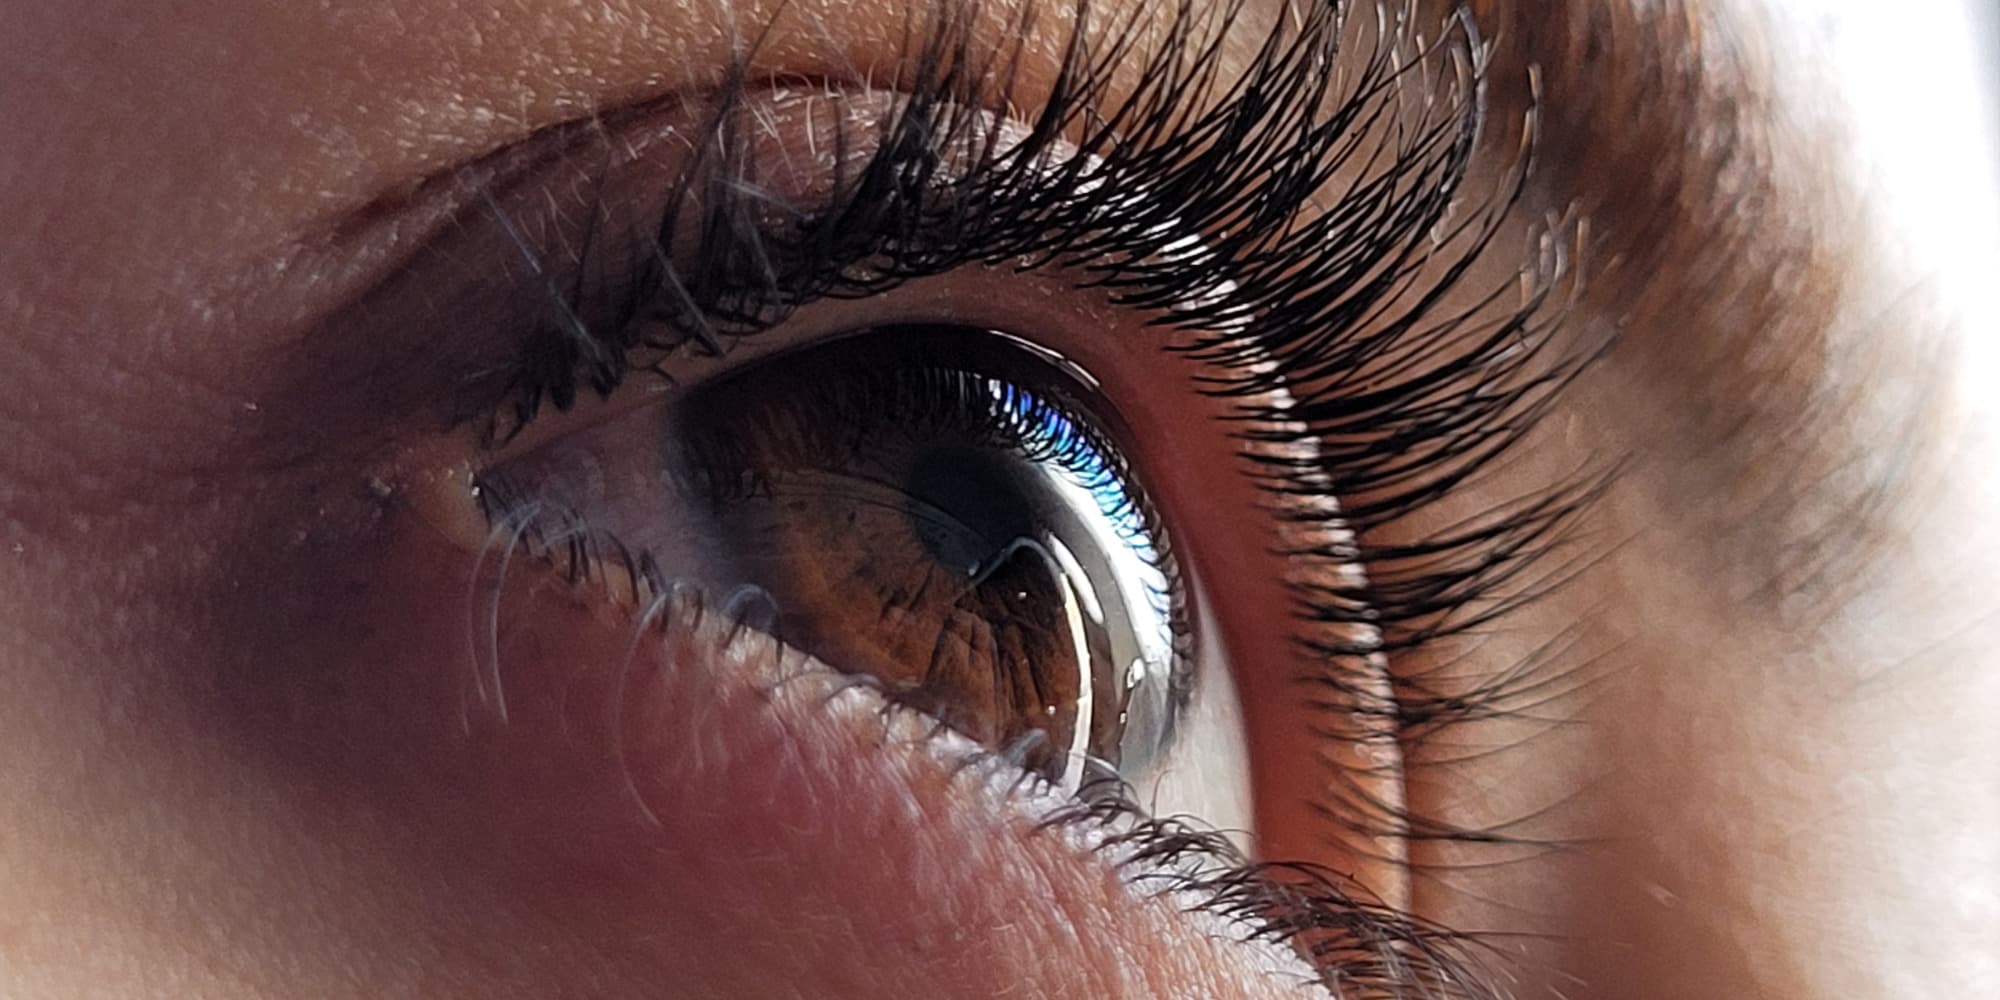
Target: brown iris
(926,507)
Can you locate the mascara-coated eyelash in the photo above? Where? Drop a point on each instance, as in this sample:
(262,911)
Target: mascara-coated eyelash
(1293,229)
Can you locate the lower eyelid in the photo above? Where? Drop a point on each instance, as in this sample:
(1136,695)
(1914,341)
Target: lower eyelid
(629,776)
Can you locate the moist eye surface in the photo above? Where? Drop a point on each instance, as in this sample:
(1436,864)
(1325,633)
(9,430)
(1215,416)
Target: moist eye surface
(929,507)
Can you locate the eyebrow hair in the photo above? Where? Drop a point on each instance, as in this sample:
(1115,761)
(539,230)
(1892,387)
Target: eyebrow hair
(1723,249)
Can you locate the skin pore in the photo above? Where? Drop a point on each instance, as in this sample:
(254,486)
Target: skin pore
(239,761)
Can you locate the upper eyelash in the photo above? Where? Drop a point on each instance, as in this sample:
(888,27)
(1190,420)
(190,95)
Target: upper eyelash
(1402,405)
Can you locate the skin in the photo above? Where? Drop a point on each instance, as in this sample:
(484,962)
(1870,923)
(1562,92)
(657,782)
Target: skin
(238,758)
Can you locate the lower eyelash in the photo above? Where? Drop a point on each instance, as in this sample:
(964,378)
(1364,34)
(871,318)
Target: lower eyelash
(1212,220)
(1359,948)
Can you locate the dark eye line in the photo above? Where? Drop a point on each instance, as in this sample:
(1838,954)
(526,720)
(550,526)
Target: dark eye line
(1212,222)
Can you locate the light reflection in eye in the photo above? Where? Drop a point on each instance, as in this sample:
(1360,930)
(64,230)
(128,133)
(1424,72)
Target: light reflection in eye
(1139,627)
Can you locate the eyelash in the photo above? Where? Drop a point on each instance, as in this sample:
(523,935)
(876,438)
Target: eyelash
(1401,406)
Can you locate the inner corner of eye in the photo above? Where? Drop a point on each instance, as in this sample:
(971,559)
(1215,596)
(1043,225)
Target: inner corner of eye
(942,509)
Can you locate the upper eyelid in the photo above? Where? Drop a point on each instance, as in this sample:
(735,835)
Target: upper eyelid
(1312,304)
(400,227)
(415,287)
(948,124)
(1275,264)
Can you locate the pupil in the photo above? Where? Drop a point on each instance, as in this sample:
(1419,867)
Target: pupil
(965,506)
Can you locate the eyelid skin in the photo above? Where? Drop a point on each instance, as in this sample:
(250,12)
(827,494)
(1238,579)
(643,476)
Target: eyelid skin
(332,122)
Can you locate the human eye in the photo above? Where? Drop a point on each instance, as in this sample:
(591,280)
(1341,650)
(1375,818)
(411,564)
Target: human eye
(1094,432)
(945,499)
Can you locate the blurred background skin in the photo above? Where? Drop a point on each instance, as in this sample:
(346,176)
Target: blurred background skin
(1810,810)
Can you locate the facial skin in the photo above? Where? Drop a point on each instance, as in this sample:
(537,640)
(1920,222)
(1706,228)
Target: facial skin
(238,760)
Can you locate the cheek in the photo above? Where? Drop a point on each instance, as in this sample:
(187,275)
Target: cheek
(517,769)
